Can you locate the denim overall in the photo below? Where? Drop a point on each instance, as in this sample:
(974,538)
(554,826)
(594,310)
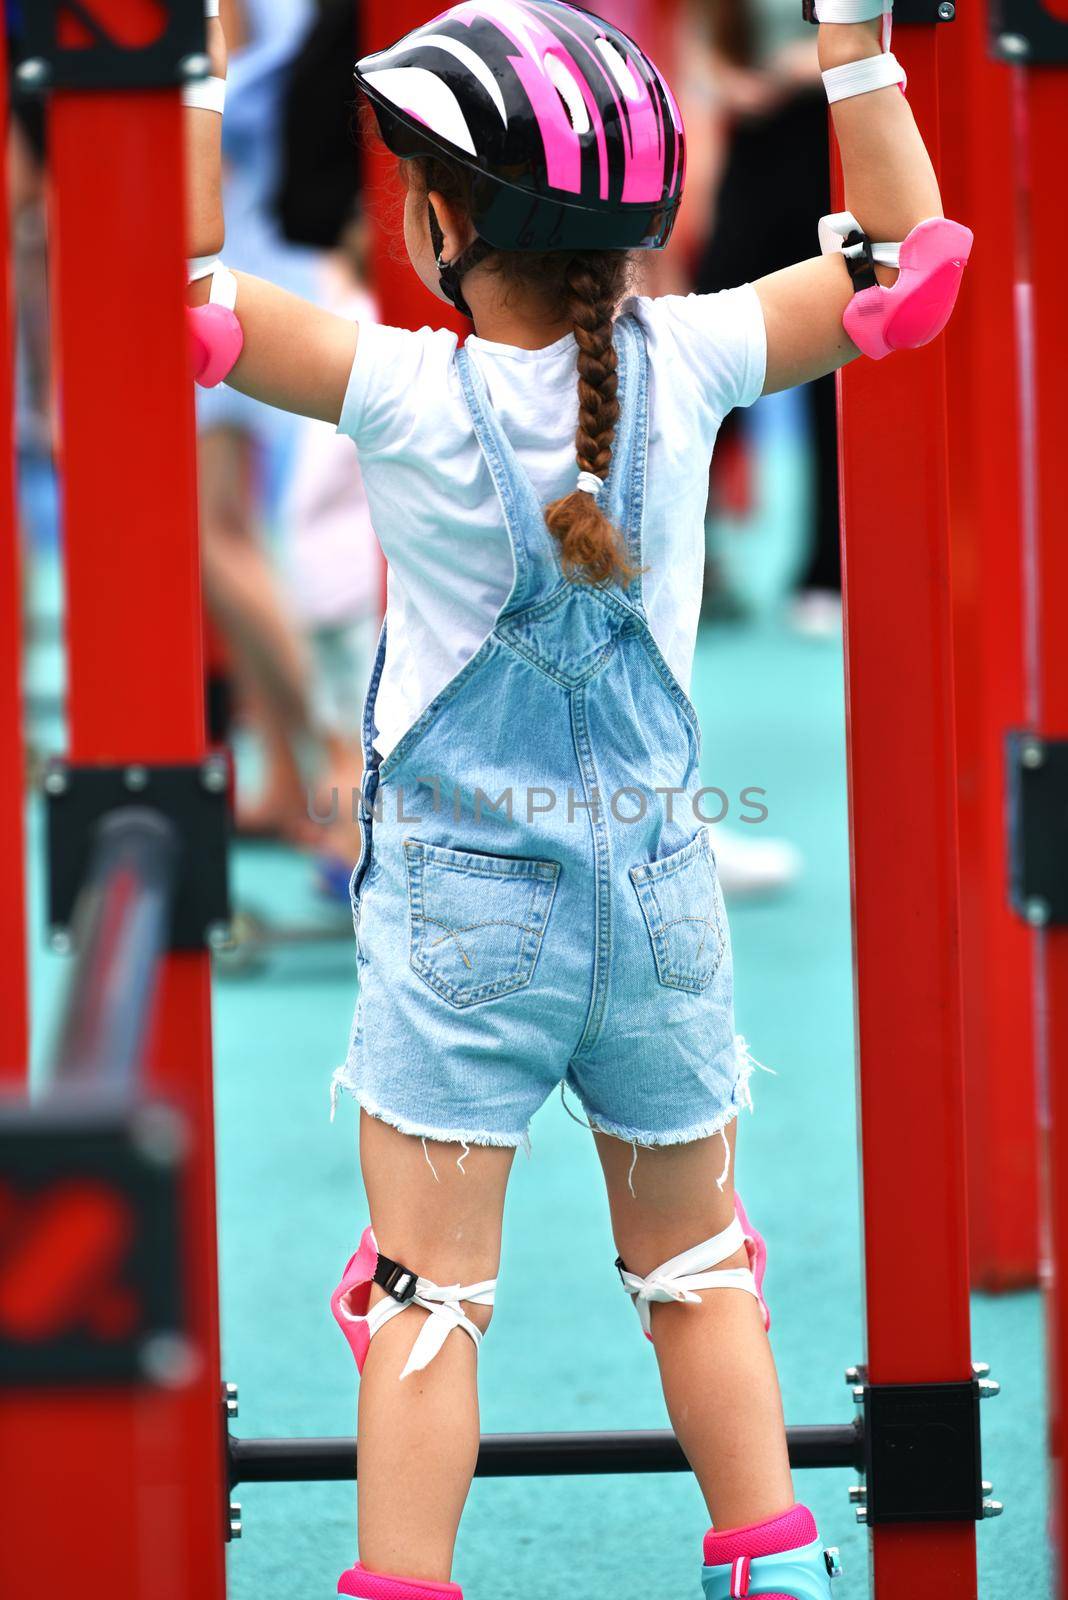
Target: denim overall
(536,900)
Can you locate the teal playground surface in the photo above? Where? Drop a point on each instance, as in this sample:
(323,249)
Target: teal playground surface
(565,1351)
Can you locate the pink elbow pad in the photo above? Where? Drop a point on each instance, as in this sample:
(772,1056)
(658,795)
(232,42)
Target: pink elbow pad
(215,342)
(918,305)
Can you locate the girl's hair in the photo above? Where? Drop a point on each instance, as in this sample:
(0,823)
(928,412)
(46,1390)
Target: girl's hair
(584,287)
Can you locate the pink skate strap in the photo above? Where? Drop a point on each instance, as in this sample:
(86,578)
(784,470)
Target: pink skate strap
(915,308)
(360,1584)
(789,1531)
(215,342)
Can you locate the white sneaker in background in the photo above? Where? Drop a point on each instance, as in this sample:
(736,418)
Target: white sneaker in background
(817,613)
(752,866)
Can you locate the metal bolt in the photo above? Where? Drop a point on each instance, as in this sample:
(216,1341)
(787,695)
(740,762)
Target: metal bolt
(947,11)
(992,1508)
(219,936)
(980,1369)
(215,775)
(33,72)
(987,1488)
(861,1513)
(235,1520)
(168,1359)
(1013,45)
(1037,910)
(988,1388)
(852,1375)
(858,1395)
(60,942)
(160,1135)
(230,1399)
(136,778)
(1032,753)
(195,66)
(55,780)
(857,1494)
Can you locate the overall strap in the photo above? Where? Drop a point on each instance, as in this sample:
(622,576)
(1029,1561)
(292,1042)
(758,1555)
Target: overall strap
(535,551)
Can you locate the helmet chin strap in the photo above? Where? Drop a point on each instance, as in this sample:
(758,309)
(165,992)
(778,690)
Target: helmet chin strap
(452,273)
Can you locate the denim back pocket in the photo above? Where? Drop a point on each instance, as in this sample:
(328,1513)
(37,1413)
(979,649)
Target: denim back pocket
(476,921)
(682,905)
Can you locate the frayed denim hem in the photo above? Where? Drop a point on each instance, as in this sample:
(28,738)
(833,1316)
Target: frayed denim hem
(643,1139)
(342,1084)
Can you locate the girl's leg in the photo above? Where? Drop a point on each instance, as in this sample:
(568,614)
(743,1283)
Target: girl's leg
(418,1439)
(715,1360)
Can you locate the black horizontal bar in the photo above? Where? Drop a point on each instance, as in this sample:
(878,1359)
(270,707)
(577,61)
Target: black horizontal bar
(120,936)
(523,1455)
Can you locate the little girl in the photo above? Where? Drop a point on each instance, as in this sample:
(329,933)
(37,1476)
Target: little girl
(536,902)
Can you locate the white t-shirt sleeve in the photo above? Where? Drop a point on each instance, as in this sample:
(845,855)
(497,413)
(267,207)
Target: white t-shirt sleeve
(718,340)
(396,375)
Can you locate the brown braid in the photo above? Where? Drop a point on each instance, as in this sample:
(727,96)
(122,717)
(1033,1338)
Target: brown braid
(586,289)
(590,547)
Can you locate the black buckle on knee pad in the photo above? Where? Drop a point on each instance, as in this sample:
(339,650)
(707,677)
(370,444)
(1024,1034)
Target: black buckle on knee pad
(397,1281)
(621,1269)
(859,260)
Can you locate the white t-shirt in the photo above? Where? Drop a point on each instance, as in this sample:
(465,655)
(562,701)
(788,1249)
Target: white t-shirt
(432,500)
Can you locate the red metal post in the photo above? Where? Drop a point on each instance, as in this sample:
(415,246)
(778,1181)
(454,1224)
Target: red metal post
(402,300)
(14,1031)
(122,1492)
(1039,100)
(984,486)
(902,782)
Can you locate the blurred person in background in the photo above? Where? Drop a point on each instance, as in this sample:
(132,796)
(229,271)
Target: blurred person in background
(763,81)
(246,453)
(333,562)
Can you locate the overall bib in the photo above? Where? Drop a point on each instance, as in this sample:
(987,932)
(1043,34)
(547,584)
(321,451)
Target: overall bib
(536,900)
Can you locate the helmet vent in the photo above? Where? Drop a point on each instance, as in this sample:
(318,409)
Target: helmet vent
(619,67)
(570,94)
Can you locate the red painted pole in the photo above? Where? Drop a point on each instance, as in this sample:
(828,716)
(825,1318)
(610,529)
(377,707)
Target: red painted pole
(133,1503)
(984,485)
(14,1026)
(1039,97)
(402,300)
(902,784)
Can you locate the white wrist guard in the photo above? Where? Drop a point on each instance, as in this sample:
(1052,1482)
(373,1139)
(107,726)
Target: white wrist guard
(861,77)
(211,8)
(207,95)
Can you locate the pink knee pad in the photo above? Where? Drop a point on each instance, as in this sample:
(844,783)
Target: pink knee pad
(215,342)
(918,305)
(351,1299)
(359,1584)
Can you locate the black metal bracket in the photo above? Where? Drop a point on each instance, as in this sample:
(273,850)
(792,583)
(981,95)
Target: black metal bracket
(193,799)
(1027,33)
(1037,789)
(90,1269)
(922,13)
(922,1451)
(69,44)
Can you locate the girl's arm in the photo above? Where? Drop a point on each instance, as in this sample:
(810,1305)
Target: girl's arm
(890,186)
(295,355)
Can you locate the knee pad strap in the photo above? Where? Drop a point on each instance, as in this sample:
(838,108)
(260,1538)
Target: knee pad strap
(360,1321)
(680,1278)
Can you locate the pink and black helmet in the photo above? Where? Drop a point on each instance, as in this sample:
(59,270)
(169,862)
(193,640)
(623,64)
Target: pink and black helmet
(571,135)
